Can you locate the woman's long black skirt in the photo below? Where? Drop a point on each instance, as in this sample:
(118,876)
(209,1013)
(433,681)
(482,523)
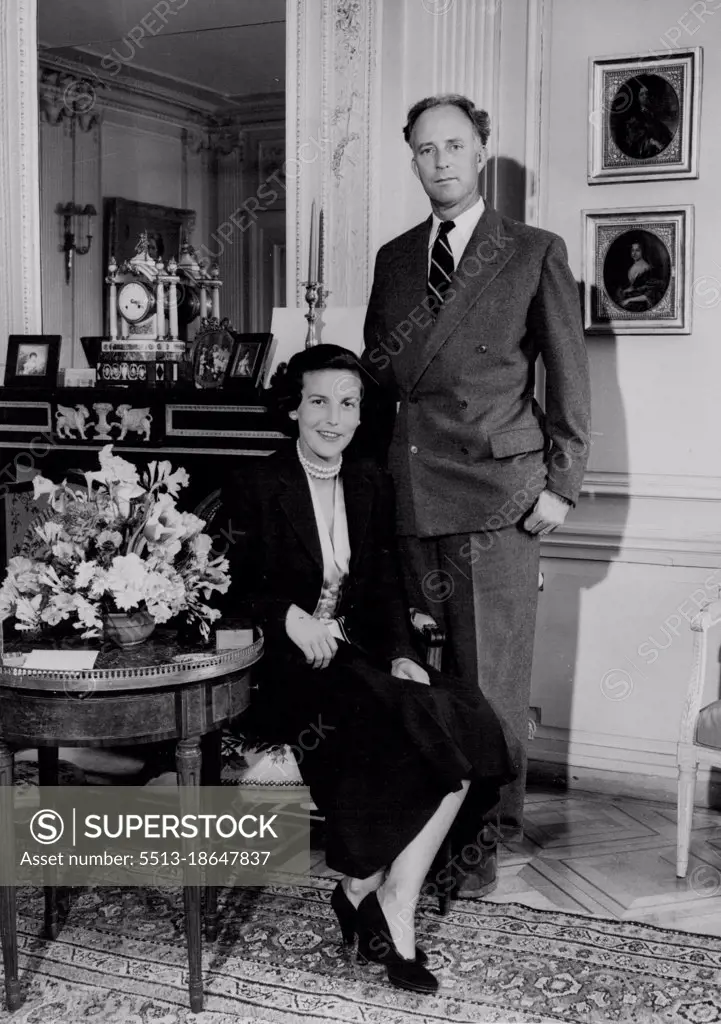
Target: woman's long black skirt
(379,753)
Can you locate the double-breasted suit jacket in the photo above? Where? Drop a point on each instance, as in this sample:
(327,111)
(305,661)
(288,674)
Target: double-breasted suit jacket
(470,448)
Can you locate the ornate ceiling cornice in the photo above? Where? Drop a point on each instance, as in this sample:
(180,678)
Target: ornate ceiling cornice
(66,96)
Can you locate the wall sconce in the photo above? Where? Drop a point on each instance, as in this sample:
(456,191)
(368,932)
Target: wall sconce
(71,214)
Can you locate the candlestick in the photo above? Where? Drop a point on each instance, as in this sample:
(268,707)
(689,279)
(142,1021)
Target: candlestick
(311,248)
(320,248)
(311,297)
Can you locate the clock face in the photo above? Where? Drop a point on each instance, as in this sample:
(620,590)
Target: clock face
(135,302)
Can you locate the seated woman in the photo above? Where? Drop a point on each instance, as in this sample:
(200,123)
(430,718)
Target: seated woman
(313,563)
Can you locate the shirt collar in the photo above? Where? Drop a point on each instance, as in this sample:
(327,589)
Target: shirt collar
(465,222)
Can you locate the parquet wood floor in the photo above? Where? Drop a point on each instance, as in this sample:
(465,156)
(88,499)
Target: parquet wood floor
(611,857)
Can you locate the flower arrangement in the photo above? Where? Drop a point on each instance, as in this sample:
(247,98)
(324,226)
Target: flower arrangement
(118,544)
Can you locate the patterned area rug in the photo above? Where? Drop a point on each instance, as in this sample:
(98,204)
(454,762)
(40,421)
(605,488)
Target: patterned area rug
(121,957)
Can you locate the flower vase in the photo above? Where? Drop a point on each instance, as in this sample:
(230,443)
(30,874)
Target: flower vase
(127,629)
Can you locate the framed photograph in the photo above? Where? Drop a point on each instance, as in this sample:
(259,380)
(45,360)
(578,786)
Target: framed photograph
(32,360)
(644,117)
(638,270)
(212,351)
(124,220)
(248,360)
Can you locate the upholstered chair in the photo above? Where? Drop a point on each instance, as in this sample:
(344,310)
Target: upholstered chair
(700,736)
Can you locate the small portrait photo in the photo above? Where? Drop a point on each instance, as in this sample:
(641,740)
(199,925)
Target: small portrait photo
(32,361)
(212,350)
(246,358)
(637,269)
(248,362)
(644,116)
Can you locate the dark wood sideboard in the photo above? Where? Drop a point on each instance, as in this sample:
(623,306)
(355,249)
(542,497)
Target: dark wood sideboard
(53,431)
(202,430)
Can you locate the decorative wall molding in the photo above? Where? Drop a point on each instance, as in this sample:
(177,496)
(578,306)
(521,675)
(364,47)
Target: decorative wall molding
(539,15)
(20,306)
(341,114)
(607,542)
(349,64)
(333,114)
(66,96)
(661,519)
(622,765)
(649,485)
(467,59)
(128,93)
(296,35)
(231,245)
(221,140)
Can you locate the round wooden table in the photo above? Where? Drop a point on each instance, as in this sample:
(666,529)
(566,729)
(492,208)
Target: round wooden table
(154,692)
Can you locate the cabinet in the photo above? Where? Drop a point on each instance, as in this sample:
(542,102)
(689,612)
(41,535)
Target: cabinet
(56,430)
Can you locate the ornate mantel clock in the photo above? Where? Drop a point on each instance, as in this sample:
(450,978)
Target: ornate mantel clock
(151,308)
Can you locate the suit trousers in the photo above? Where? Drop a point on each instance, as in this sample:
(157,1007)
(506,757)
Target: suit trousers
(482,589)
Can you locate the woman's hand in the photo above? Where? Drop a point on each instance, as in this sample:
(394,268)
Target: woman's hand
(404,668)
(312,636)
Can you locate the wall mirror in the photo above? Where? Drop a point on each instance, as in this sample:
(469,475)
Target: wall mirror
(177,108)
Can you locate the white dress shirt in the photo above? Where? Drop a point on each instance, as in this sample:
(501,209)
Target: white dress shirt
(459,236)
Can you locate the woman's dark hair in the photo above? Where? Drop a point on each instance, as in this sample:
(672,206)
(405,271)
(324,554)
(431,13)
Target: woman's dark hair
(479,118)
(286,385)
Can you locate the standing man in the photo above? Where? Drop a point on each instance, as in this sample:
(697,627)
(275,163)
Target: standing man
(461,307)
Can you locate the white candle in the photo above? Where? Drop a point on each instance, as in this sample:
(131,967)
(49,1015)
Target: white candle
(312,257)
(320,247)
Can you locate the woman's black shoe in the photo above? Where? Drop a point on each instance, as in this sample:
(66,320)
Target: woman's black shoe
(375,943)
(347,916)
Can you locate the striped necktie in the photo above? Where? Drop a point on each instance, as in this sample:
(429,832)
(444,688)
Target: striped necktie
(442,266)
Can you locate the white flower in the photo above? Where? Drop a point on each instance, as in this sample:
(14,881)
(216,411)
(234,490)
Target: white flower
(49,531)
(84,574)
(22,575)
(55,492)
(87,613)
(58,608)
(120,477)
(41,485)
(174,481)
(115,469)
(111,537)
(67,551)
(126,580)
(27,611)
(192,524)
(124,494)
(201,546)
(8,598)
(165,527)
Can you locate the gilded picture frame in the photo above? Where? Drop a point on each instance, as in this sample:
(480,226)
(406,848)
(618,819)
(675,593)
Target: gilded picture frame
(644,116)
(638,268)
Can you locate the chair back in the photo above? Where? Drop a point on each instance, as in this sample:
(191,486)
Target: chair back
(17,514)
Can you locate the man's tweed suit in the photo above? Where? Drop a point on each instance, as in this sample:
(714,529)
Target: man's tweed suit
(471,449)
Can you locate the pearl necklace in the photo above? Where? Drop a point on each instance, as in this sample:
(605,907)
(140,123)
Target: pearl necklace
(319,472)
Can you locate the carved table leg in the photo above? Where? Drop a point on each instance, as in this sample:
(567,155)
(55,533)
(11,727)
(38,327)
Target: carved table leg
(188,762)
(8,922)
(210,776)
(48,776)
